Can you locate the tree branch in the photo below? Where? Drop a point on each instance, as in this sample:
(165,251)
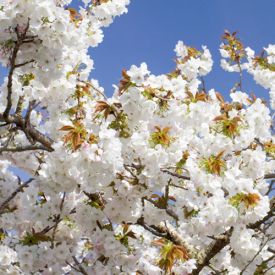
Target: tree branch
(23,124)
(58,218)
(212,250)
(270,188)
(24,148)
(154,231)
(269,176)
(251,261)
(173,236)
(266,218)
(29,130)
(175,174)
(24,63)
(13,57)
(80,267)
(13,194)
(223,240)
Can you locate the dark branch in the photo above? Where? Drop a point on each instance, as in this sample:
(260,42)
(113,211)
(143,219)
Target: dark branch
(269,215)
(223,240)
(19,106)
(58,219)
(13,194)
(29,131)
(24,63)
(212,250)
(175,174)
(13,57)
(24,148)
(23,124)
(154,231)
(80,267)
(269,176)
(252,260)
(270,188)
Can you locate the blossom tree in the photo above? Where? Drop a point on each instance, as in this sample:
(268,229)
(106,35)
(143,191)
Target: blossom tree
(163,177)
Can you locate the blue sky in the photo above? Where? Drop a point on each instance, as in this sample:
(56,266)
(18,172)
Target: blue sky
(150,30)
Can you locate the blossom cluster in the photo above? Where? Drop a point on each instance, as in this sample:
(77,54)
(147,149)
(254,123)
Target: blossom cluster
(163,177)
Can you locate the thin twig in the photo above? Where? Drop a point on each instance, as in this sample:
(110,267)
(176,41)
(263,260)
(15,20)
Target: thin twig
(270,188)
(203,84)
(58,218)
(241,75)
(272,266)
(178,186)
(142,223)
(175,174)
(81,268)
(269,215)
(24,63)
(73,267)
(251,261)
(14,193)
(97,90)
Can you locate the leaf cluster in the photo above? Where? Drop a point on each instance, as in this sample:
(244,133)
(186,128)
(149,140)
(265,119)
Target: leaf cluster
(233,46)
(248,200)
(170,253)
(214,164)
(161,136)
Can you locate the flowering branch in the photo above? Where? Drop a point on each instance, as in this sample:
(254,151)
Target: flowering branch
(22,124)
(212,250)
(18,43)
(30,131)
(223,240)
